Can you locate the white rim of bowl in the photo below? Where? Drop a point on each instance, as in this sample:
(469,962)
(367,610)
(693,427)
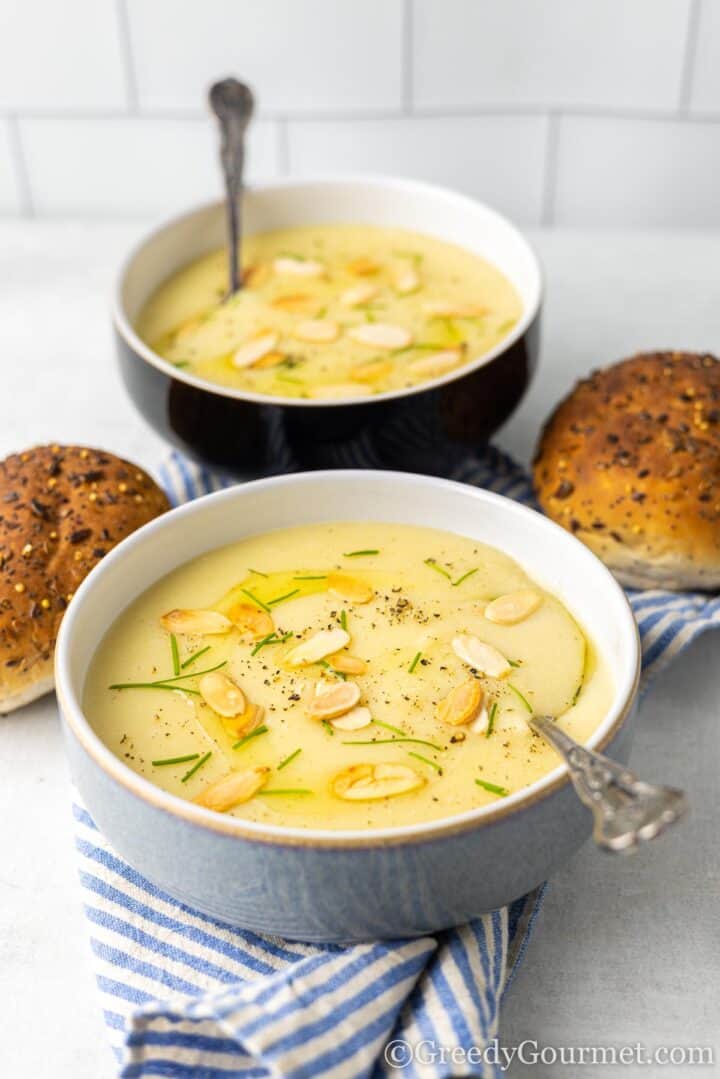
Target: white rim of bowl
(280,834)
(127,331)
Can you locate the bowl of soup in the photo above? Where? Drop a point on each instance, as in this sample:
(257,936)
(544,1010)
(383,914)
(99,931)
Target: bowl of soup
(379,319)
(300,705)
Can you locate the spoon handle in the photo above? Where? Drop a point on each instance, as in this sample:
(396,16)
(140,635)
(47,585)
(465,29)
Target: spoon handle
(626,810)
(233,103)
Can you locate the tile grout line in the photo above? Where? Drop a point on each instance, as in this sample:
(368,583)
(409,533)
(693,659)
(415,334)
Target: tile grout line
(687,71)
(550,170)
(408,69)
(125,41)
(22,174)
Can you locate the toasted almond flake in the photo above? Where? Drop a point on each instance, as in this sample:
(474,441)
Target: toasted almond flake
(372,371)
(270,359)
(480,656)
(330,701)
(317,330)
(252,622)
(347,664)
(450,309)
(298,267)
(195,621)
(335,391)
(353,589)
(363,267)
(295,301)
(256,275)
(188,329)
(368,782)
(462,704)
(254,349)
(246,722)
(512,607)
(232,789)
(358,295)
(380,335)
(480,724)
(321,644)
(406,280)
(436,364)
(223,695)
(354,720)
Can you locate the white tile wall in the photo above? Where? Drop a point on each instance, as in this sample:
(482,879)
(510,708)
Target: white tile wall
(557,111)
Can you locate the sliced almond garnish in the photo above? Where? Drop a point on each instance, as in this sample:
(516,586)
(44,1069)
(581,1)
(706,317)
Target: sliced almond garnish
(319,331)
(367,782)
(254,349)
(195,621)
(381,335)
(350,588)
(270,359)
(438,363)
(295,301)
(347,664)
(480,656)
(450,309)
(462,704)
(363,267)
(332,700)
(358,295)
(335,391)
(244,723)
(298,267)
(188,328)
(372,371)
(222,694)
(480,724)
(251,621)
(354,720)
(256,275)
(406,279)
(512,607)
(321,644)
(233,789)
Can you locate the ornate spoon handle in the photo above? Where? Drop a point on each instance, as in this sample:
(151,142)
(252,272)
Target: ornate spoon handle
(626,810)
(232,102)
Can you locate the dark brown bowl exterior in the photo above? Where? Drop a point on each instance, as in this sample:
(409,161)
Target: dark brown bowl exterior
(421,431)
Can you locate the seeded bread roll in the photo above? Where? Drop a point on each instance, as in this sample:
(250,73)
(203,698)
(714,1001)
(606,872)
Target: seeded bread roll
(61,509)
(630,462)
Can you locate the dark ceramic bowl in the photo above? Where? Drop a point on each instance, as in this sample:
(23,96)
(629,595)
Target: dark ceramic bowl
(422,428)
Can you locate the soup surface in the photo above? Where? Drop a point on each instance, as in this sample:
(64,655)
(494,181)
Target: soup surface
(360,676)
(332,311)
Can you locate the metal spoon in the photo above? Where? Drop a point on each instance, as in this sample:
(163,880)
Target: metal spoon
(233,103)
(626,810)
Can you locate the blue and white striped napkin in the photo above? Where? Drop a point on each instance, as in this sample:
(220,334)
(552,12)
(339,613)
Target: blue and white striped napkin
(188,997)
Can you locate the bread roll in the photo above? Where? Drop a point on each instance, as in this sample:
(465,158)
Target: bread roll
(61,509)
(630,463)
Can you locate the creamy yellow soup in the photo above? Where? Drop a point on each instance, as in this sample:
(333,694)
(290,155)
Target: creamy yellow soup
(332,312)
(357,676)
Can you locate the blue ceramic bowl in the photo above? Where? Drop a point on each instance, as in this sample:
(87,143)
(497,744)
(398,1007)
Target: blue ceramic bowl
(352,885)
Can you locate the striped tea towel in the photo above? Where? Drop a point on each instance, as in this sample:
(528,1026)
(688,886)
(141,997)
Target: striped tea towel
(188,997)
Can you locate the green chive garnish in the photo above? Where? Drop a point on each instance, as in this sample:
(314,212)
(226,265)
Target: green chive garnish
(272,638)
(524,700)
(196,766)
(257,572)
(393,741)
(316,577)
(259,602)
(176,760)
(425,760)
(287,790)
(287,760)
(328,726)
(175,654)
(279,599)
(491,719)
(343,620)
(167,683)
(389,727)
(438,569)
(414,663)
(194,656)
(253,734)
(492,787)
(513,663)
(360,554)
(464,577)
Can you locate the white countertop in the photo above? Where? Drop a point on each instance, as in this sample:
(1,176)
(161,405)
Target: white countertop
(625,950)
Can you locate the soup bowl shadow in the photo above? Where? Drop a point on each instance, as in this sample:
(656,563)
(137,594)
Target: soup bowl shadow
(325,885)
(422,427)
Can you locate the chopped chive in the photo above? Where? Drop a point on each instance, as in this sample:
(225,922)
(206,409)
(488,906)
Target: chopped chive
(438,569)
(389,727)
(175,654)
(196,766)
(250,595)
(513,663)
(287,790)
(153,685)
(181,363)
(289,378)
(175,760)
(318,577)
(464,577)
(425,760)
(279,599)
(392,741)
(491,719)
(359,554)
(257,572)
(194,656)
(492,787)
(343,619)
(414,663)
(524,700)
(272,638)
(328,726)
(577,693)
(287,760)
(253,734)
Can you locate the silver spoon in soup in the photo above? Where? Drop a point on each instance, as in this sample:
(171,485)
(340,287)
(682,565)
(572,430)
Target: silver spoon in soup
(233,103)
